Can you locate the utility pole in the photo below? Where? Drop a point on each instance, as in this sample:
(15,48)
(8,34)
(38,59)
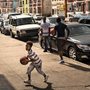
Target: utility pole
(83,7)
(65,8)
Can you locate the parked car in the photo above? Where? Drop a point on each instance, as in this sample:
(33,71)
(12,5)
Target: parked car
(5,27)
(77,45)
(71,17)
(84,20)
(23,26)
(52,20)
(38,18)
(8,15)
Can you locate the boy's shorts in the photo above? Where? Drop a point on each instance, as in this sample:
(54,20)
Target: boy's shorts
(60,44)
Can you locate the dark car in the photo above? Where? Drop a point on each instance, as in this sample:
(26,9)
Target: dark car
(84,20)
(77,45)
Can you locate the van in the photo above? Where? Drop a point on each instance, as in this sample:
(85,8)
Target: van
(23,26)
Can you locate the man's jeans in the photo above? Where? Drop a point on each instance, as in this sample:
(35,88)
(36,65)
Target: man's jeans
(47,42)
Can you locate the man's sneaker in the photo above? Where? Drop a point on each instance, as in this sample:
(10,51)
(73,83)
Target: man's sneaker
(28,82)
(46,78)
(61,62)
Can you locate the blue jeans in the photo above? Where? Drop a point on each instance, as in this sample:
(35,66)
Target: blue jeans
(47,43)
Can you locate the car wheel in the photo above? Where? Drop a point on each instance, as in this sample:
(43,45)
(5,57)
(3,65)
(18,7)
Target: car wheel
(4,32)
(72,53)
(70,20)
(1,32)
(18,34)
(11,34)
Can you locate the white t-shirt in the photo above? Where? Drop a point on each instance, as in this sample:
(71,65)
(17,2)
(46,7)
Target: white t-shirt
(45,28)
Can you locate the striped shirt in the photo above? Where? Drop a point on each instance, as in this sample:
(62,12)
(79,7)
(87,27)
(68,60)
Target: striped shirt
(34,57)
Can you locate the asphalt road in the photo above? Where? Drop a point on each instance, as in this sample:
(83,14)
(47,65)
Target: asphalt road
(72,75)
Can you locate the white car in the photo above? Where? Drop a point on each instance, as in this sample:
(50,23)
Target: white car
(23,26)
(4,27)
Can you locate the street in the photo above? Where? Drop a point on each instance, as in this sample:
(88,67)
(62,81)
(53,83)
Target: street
(72,75)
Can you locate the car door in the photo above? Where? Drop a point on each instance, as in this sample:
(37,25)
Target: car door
(54,42)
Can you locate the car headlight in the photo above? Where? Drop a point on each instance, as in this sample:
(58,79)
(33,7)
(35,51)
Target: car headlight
(83,47)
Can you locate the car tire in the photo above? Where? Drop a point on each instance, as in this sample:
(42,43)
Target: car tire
(18,34)
(1,32)
(72,53)
(11,34)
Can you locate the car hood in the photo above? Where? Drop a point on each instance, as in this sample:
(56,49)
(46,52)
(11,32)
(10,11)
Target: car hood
(83,39)
(29,26)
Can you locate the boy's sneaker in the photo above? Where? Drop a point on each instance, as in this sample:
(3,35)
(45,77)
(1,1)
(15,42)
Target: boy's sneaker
(61,62)
(46,78)
(28,82)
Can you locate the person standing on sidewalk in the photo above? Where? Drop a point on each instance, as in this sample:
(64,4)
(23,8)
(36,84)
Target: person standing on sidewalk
(60,30)
(36,62)
(45,32)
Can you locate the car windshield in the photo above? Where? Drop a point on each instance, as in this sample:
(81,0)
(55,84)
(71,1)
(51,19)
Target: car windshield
(79,30)
(52,20)
(24,21)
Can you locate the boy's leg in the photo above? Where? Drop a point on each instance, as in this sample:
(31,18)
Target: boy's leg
(39,69)
(29,70)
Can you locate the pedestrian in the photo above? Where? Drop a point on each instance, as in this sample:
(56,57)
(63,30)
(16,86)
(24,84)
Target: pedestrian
(45,32)
(36,63)
(60,29)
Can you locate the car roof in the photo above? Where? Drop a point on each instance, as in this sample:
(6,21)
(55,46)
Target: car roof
(21,16)
(74,24)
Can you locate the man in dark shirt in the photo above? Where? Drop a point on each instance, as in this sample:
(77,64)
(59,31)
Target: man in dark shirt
(60,29)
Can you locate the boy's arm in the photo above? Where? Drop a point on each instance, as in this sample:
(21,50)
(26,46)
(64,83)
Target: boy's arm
(30,58)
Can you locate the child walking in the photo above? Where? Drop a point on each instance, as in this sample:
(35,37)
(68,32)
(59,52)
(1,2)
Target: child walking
(36,62)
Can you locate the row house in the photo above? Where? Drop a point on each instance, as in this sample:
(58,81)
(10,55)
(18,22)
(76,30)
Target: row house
(7,6)
(38,6)
(82,5)
(30,6)
(35,6)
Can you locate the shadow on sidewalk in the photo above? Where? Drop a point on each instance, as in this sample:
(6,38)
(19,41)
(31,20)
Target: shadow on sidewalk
(77,67)
(49,87)
(5,84)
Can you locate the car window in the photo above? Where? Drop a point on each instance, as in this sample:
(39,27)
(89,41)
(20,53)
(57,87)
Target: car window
(52,20)
(79,30)
(87,21)
(82,21)
(24,21)
(13,22)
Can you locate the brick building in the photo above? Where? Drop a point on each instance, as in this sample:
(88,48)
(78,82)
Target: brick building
(8,6)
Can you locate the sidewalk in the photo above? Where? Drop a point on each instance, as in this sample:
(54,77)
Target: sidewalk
(72,75)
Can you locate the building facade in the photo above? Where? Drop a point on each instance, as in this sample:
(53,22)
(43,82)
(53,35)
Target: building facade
(8,6)
(87,6)
(42,7)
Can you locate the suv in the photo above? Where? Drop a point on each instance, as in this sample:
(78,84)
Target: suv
(23,25)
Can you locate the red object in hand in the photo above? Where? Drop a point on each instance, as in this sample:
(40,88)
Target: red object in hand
(24,60)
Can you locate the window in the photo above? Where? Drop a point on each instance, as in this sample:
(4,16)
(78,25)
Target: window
(26,2)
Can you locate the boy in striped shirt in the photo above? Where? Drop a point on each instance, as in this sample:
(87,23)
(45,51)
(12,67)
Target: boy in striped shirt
(35,63)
